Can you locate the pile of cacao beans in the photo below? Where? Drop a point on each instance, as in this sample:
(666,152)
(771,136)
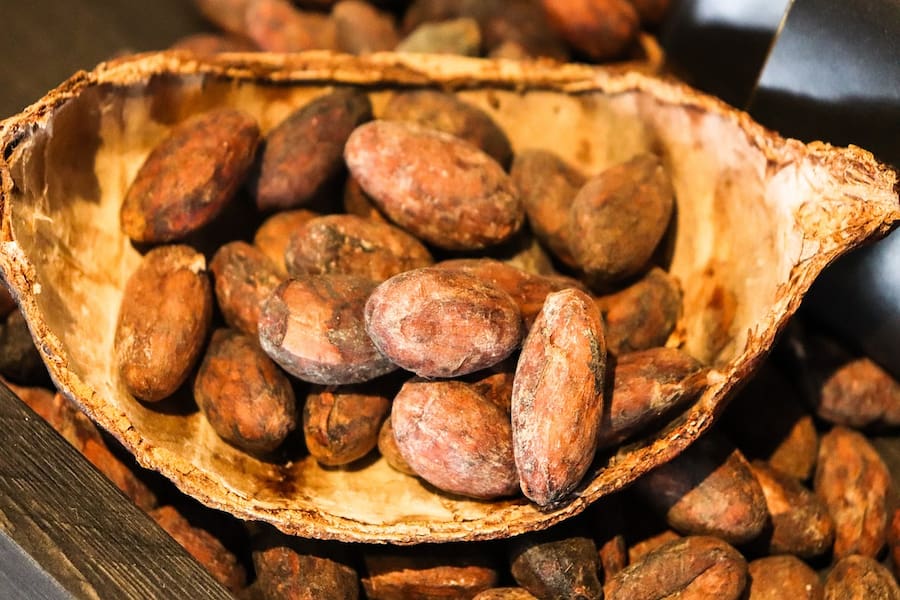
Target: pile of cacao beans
(561,30)
(358,305)
(409,285)
(792,493)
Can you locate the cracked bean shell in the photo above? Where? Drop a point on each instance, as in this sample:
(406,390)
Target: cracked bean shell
(313,327)
(352,245)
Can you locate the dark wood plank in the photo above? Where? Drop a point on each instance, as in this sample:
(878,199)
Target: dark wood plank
(80,529)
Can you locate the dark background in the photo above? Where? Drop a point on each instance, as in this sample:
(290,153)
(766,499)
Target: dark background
(46,41)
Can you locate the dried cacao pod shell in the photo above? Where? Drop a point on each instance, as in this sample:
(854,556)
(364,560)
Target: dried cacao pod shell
(776,211)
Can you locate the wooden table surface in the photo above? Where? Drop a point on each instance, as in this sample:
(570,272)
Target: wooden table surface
(67,531)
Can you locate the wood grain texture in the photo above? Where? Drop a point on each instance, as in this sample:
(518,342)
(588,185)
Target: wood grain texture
(82,532)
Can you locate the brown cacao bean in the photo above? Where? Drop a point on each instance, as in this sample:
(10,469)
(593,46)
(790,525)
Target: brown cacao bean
(441,323)
(304,152)
(602,29)
(557,566)
(558,395)
(455,439)
(785,576)
(247,400)
(642,315)
(275,233)
(853,481)
(647,386)
(361,28)
(860,394)
(438,187)
(341,424)
(429,573)
(454,36)
(695,567)
(292,567)
(277,26)
(203,546)
(709,489)
(856,577)
(548,185)
(244,278)
(164,317)
(387,446)
(351,245)
(618,218)
(768,422)
(801,524)
(445,112)
(527,289)
(189,176)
